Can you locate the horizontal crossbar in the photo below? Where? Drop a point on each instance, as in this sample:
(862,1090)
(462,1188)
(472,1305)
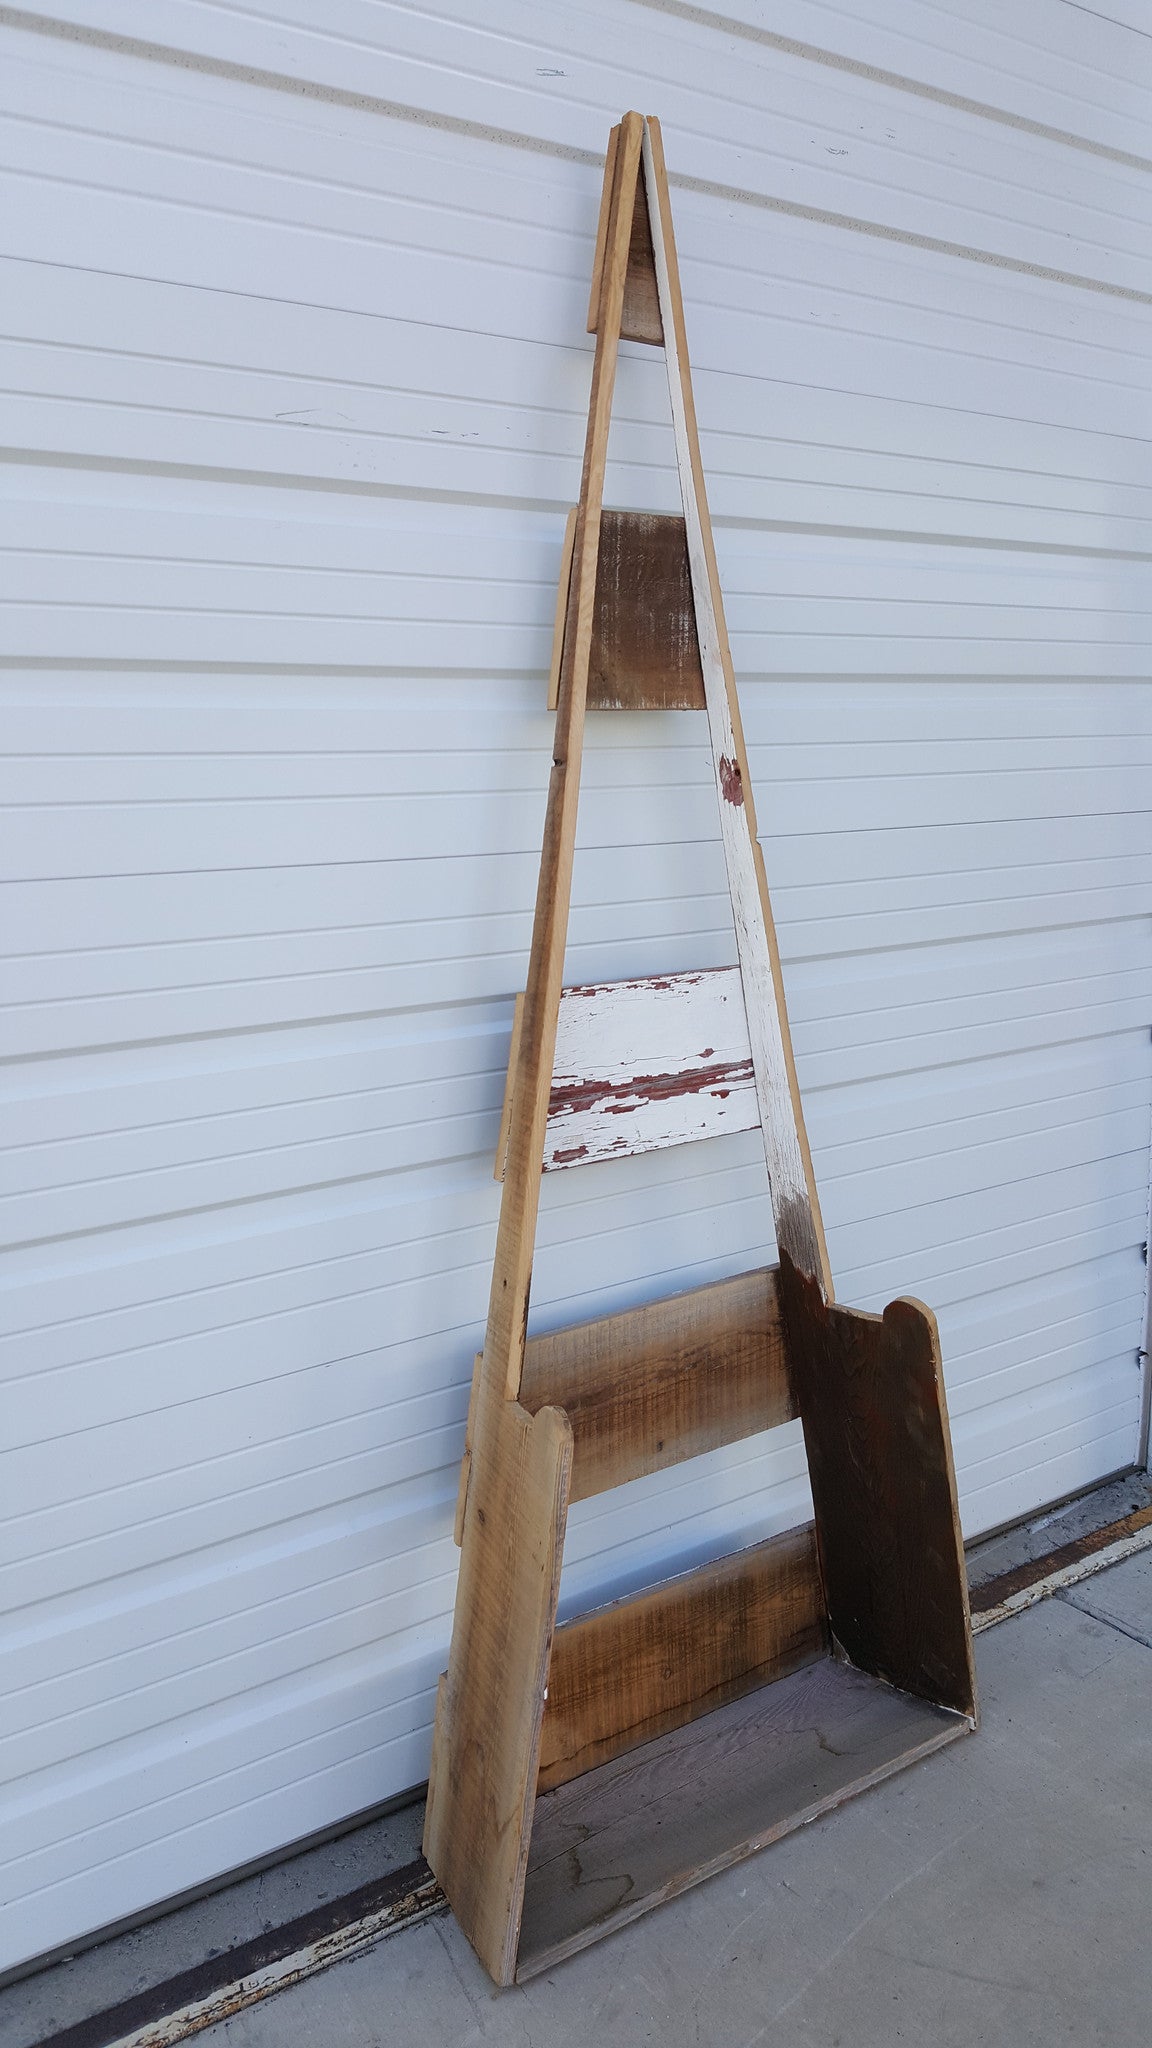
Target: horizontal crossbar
(627,1673)
(652,1386)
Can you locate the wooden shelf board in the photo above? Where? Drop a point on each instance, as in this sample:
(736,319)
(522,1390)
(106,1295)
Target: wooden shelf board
(624,1837)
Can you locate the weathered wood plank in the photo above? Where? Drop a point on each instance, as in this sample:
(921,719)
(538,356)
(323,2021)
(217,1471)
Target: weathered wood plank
(640,312)
(652,1386)
(486,1739)
(607,194)
(640,318)
(560,621)
(610,1845)
(629,1672)
(871,1395)
(491,1700)
(505,1131)
(516,1233)
(643,1064)
(645,651)
(795,1204)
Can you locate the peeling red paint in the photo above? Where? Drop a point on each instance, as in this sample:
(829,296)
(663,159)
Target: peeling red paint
(619,1098)
(664,983)
(731,783)
(566,1158)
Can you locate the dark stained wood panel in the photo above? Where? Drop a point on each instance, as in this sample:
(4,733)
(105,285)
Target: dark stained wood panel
(645,649)
(627,1673)
(640,315)
(610,1845)
(653,1385)
(871,1394)
(640,319)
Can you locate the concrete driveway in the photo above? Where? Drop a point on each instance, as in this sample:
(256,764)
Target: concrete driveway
(1000,1893)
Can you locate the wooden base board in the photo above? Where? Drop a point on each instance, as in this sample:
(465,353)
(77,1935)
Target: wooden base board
(624,1837)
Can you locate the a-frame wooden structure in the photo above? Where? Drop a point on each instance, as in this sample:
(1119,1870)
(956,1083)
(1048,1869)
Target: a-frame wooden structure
(583,1773)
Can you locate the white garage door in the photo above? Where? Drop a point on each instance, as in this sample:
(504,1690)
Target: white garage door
(294,314)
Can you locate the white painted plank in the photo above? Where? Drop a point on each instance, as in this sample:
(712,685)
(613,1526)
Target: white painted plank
(644,1064)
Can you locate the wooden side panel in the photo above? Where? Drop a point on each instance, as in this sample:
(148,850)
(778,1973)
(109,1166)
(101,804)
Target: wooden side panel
(486,1744)
(871,1396)
(615,1842)
(654,1385)
(645,651)
(635,1670)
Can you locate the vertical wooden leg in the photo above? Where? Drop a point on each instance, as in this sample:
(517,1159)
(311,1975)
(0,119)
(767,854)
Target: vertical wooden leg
(487,1741)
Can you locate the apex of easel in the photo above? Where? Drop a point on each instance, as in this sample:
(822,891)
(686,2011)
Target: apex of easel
(640,319)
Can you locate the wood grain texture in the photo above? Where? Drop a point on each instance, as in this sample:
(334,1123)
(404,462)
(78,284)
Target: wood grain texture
(644,1064)
(505,1130)
(871,1396)
(607,191)
(640,317)
(610,1845)
(645,651)
(487,1732)
(489,1709)
(519,1207)
(652,1386)
(563,588)
(640,312)
(627,1673)
(795,1203)
(466,1457)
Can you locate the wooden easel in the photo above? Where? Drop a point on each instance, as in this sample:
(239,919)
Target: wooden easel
(665,1736)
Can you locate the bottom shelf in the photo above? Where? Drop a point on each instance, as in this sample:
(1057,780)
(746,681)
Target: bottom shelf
(636,1831)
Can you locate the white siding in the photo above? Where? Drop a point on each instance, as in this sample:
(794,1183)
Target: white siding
(294,349)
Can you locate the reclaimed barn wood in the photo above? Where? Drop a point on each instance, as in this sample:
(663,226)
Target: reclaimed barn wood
(621,1839)
(871,1396)
(791,1181)
(648,1387)
(559,624)
(485,1746)
(645,649)
(582,1774)
(640,318)
(643,1064)
(639,1668)
(482,1783)
(651,1386)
